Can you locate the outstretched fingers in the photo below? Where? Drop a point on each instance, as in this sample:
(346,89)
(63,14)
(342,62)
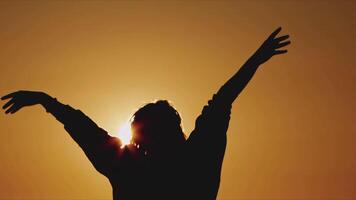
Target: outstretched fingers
(282,44)
(8,96)
(275,33)
(277,52)
(8,104)
(280,39)
(12,106)
(10,109)
(272,46)
(15,108)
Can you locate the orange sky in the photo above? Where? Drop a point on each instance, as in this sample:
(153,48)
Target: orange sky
(292,131)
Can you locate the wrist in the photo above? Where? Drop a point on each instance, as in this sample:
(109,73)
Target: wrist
(254,62)
(44,98)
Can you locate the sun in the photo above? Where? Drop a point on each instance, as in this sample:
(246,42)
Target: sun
(125,134)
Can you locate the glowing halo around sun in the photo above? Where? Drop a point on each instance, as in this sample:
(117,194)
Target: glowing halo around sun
(125,134)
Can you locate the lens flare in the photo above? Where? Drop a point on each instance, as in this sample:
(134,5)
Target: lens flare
(125,134)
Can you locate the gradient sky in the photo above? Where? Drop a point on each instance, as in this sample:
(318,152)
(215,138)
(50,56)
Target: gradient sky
(292,131)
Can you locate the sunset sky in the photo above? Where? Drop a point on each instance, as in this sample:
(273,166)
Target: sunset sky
(292,132)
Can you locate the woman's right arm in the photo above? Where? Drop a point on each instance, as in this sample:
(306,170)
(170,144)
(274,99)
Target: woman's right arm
(101,148)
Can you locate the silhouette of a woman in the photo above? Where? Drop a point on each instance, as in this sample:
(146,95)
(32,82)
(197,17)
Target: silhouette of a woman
(160,163)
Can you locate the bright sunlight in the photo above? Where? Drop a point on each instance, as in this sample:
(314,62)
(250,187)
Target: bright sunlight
(125,133)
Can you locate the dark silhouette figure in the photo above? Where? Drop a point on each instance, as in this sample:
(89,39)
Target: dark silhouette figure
(160,163)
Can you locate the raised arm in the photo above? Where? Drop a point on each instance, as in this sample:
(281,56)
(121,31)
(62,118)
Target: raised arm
(100,147)
(216,114)
(207,141)
(233,87)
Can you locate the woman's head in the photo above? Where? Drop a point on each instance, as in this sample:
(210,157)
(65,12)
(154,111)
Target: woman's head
(157,125)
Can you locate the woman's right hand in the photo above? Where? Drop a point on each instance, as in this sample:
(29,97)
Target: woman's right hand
(21,99)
